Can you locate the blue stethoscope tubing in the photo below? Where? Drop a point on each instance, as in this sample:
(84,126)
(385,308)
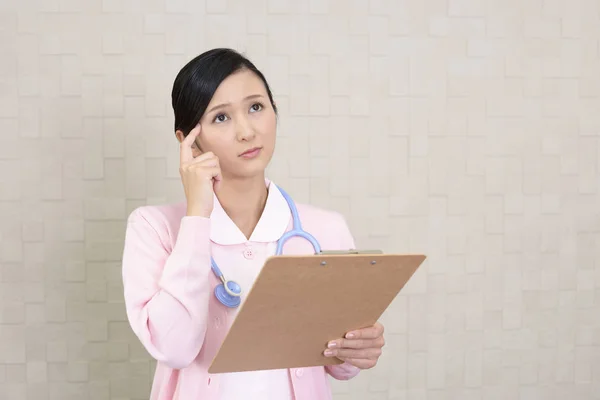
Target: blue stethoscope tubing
(229,292)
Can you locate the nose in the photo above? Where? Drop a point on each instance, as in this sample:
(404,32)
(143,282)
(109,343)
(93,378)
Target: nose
(244,130)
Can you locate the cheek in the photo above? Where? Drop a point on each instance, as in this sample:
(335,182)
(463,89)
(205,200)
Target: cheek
(219,141)
(213,139)
(269,127)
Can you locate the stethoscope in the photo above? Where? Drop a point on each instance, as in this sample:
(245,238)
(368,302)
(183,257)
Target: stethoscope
(229,292)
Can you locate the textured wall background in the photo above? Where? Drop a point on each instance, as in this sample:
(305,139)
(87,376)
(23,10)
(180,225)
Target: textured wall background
(465,129)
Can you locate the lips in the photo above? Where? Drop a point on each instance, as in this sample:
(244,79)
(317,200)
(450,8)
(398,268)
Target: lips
(251,152)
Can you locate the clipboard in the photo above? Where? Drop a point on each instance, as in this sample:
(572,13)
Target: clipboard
(297,304)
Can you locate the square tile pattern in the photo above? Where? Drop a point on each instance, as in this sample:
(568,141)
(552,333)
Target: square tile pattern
(465,129)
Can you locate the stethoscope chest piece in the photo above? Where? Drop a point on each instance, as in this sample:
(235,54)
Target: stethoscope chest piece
(229,296)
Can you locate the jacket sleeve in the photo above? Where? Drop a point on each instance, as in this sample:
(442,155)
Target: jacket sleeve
(167,293)
(343,371)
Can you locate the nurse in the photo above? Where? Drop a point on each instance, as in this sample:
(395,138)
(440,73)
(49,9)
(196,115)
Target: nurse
(177,256)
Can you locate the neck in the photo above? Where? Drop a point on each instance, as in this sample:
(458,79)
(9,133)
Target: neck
(244,201)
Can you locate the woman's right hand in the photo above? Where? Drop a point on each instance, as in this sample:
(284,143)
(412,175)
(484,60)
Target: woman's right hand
(200,176)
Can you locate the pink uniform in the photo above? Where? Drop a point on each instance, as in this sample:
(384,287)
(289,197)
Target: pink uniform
(169,296)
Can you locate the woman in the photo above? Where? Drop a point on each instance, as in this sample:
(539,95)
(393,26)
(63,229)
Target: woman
(225,121)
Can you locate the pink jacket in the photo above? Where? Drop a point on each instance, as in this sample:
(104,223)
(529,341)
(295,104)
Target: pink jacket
(169,288)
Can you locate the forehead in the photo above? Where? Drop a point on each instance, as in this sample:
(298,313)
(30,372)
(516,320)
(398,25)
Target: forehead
(238,86)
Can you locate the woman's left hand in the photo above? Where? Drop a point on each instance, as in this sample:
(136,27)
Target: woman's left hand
(361,348)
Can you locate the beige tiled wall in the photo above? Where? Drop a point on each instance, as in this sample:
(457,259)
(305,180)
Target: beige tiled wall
(465,129)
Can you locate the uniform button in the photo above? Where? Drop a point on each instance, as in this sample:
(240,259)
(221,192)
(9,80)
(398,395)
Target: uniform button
(299,373)
(217,322)
(248,253)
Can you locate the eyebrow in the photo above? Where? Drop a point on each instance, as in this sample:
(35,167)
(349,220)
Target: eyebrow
(252,96)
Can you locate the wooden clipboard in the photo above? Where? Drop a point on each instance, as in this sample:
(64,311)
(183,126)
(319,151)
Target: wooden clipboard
(299,303)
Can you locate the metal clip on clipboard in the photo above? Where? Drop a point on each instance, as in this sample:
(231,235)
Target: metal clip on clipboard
(347,252)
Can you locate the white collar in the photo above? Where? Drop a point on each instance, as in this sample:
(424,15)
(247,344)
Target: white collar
(272,224)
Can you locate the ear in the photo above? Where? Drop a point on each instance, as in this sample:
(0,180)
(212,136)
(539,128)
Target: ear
(179,135)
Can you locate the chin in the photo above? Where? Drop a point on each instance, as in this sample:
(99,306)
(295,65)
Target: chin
(254,172)
(250,171)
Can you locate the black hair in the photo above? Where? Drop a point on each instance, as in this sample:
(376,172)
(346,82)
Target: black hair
(198,80)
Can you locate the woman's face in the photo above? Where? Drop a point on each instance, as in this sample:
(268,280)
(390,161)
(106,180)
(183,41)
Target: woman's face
(239,126)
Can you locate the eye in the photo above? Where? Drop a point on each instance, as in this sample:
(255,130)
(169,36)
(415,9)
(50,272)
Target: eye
(220,118)
(256,107)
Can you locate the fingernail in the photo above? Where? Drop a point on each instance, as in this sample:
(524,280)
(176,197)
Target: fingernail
(328,353)
(332,344)
(350,335)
